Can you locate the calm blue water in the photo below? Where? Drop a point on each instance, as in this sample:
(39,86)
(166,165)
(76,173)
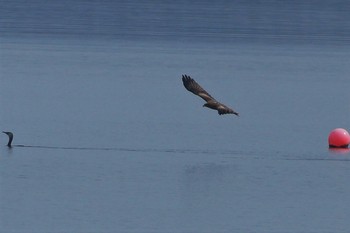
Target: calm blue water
(112,141)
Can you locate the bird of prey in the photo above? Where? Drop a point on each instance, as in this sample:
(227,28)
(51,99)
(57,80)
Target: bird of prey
(196,89)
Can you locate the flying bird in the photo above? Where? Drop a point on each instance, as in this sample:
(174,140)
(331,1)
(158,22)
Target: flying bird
(212,103)
(10,135)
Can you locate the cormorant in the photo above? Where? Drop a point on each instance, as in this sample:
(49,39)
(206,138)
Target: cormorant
(10,135)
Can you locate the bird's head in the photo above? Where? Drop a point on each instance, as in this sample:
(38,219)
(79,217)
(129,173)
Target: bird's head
(8,133)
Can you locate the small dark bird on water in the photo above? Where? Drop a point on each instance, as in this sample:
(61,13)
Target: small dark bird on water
(196,89)
(10,135)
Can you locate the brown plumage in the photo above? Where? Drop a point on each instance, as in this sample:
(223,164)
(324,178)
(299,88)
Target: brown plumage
(196,89)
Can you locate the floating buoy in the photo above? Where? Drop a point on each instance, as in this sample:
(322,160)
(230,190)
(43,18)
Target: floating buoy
(339,138)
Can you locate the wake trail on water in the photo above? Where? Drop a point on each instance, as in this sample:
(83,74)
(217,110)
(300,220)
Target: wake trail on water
(178,151)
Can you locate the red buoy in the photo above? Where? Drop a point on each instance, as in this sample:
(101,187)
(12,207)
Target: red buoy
(339,138)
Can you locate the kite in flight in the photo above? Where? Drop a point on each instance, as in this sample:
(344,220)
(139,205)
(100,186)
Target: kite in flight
(196,89)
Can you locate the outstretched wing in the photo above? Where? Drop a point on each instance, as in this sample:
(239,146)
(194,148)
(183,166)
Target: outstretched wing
(195,88)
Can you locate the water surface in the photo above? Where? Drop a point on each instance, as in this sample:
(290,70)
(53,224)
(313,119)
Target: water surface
(112,141)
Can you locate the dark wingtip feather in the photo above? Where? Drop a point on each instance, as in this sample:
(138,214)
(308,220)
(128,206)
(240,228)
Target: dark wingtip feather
(187,80)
